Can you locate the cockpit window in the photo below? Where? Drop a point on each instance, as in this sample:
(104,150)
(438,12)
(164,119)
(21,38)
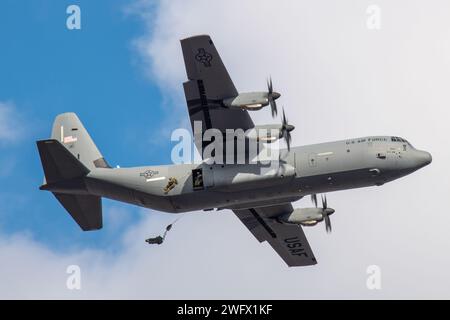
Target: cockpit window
(398,139)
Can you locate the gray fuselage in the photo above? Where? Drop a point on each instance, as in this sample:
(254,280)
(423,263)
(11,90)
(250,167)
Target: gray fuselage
(318,168)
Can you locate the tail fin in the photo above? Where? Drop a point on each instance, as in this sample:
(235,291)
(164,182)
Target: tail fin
(58,163)
(66,160)
(69,130)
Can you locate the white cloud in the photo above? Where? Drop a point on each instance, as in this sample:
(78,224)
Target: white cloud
(214,256)
(337,80)
(10,130)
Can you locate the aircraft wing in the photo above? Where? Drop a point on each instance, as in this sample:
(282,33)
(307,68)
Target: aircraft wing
(209,83)
(289,241)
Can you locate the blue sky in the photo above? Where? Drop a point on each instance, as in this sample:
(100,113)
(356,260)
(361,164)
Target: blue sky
(47,69)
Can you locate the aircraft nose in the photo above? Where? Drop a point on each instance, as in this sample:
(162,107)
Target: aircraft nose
(423,158)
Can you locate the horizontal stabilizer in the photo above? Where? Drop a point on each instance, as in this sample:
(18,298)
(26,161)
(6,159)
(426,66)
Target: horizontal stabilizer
(86,210)
(59,163)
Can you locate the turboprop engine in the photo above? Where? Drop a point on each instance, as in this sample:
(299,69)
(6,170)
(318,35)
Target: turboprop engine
(271,132)
(304,216)
(249,101)
(255,100)
(265,133)
(310,216)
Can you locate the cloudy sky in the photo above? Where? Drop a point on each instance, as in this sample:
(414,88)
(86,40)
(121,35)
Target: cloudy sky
(122,74)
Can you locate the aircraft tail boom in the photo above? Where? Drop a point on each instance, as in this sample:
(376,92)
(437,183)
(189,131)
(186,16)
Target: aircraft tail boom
(67,159)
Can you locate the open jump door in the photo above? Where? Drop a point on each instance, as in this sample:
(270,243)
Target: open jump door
(203,177)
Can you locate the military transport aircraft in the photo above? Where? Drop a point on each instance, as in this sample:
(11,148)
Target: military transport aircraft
(78,175)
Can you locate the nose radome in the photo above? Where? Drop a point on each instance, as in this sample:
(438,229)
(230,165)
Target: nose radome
(424,158)
(429,158)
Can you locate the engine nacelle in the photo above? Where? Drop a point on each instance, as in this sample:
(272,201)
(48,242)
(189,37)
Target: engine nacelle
(303,216)
(265,133)
(248,101)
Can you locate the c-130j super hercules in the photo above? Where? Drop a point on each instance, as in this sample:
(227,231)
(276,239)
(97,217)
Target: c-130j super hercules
(78,175)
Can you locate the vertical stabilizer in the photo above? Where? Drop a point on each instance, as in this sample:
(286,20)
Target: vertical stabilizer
(69,130)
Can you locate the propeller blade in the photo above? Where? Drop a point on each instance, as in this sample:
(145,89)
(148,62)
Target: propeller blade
(288,140)
(314,199)
(324,201)
(327,223)
(273,106)
(286,131)
(326,213)
(271,97)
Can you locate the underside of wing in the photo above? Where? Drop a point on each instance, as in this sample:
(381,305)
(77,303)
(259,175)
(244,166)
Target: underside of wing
(209,84)
(288,240)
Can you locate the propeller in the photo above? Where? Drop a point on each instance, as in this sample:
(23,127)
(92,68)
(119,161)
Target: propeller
(326,212)
(286,129)
(272,96)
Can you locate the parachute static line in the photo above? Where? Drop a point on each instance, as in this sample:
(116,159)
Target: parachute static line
(160,239)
